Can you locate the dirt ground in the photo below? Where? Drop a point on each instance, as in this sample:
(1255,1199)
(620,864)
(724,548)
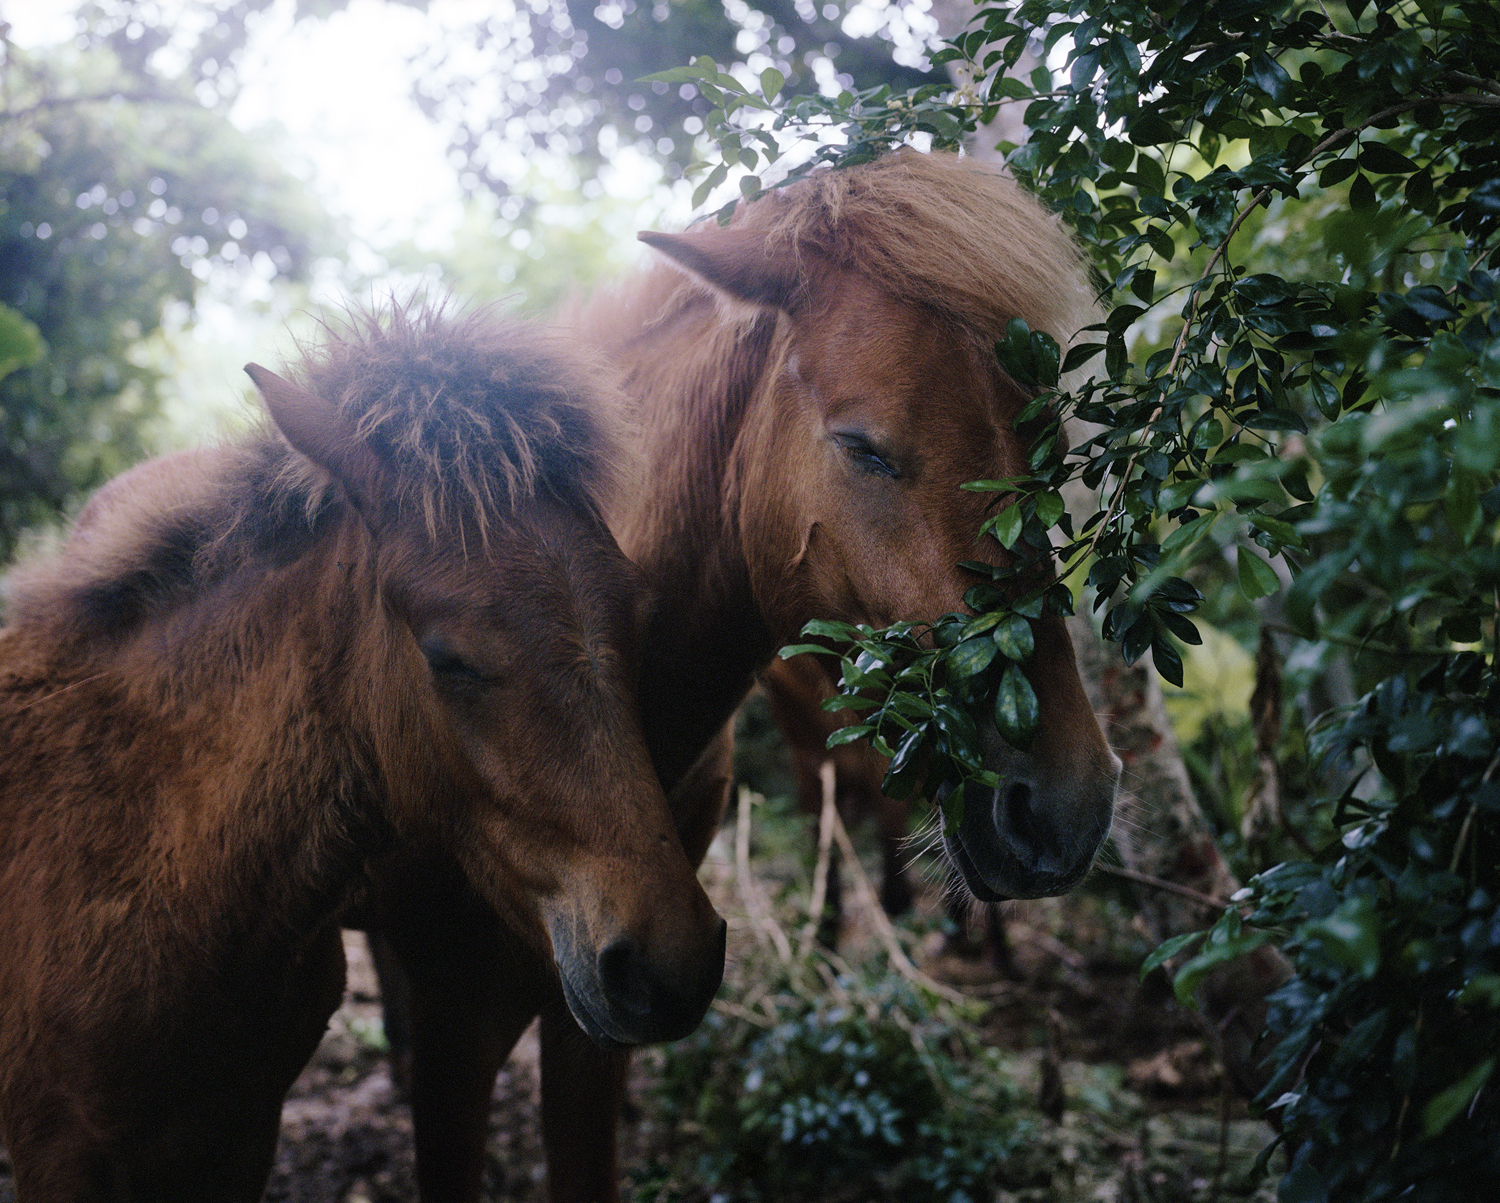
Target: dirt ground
(1127,1080)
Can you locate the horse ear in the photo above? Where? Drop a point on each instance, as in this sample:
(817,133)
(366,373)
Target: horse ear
(314,427)
(742,263)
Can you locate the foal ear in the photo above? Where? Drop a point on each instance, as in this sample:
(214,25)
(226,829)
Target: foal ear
(313,427)
(742,263)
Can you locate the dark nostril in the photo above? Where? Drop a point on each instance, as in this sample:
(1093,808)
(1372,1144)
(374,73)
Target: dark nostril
(1017,818)
(1017,803)
(624,978)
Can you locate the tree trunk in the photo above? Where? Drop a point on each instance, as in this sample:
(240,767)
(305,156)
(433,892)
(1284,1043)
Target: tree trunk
(1161,832)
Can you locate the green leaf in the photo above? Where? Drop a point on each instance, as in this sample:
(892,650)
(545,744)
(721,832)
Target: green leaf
(971,657)
(1006,525)
(1168,949)
(1350,935)
(1271,78)
(1167,661)
(799,649)
(822,628)
(1014,638)
(1049,508)
(1213,954)
(1362,194)
(1382,160)
(771,83)
(1446,1106)
(21,343)
(1257,578)
(848,735)
(1188,534)
(1016,708)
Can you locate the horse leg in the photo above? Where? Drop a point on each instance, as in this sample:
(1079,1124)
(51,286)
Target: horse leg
(698,801)
(395,1005)
(464,1023)
(583,1087)
(831,921)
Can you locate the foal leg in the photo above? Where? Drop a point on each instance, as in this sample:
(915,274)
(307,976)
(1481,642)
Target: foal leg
(583,1087)
(464,1023)
(395,1004)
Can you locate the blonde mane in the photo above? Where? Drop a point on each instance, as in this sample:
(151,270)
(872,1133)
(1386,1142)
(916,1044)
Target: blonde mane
(940,230)
(936,229)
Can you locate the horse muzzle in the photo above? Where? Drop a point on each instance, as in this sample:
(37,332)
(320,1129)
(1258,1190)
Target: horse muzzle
(622,995)
(1037,835)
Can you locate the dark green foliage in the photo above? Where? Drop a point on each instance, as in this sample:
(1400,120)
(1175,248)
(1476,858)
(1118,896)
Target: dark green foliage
(852,1088)
(1294,211)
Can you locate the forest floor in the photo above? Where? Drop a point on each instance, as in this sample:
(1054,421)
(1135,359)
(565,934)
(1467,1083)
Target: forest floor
(1143,1116)
(1122,1096)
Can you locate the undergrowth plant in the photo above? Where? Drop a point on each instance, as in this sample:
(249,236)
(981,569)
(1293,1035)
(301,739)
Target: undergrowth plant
(1294,210)
(849,1085)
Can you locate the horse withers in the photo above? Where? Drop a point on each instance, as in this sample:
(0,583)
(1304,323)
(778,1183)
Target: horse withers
(392,624)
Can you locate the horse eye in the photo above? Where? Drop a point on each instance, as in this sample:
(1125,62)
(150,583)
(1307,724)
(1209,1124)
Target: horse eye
(865,457)
(445,662)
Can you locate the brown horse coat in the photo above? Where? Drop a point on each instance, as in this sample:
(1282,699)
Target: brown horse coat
(394,622)
(812,385)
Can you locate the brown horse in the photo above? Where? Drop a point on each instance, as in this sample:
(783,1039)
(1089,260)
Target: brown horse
(812,384)
(393,622)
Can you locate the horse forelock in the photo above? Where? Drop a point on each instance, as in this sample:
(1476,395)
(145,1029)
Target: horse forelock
(473,414)
(938,229)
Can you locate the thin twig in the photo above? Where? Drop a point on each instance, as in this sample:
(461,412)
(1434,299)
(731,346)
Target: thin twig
(1463,832)
(1158,883)
(757,906)
(827,775)
(1223,1163)
(53,102)
(867,899)
(734,1010)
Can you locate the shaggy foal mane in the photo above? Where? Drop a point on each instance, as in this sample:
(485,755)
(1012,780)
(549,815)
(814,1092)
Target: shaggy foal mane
(471,415)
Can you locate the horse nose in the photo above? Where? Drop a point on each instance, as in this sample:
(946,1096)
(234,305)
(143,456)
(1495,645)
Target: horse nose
(1045,853)
(655,1000)
(1034,836)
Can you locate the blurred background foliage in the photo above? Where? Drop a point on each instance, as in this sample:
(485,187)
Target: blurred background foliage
(123,196)
(137,211)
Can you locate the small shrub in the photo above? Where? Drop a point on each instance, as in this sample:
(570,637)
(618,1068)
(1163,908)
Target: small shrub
(853,1090)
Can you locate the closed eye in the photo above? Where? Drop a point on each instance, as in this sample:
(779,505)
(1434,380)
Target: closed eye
(864,455)
(446,663)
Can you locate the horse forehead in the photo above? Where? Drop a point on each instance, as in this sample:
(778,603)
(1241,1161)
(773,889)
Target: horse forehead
(546,570)
(869,346)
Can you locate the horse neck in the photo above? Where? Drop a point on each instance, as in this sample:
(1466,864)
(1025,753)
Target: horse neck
(697,376)
(225,720)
